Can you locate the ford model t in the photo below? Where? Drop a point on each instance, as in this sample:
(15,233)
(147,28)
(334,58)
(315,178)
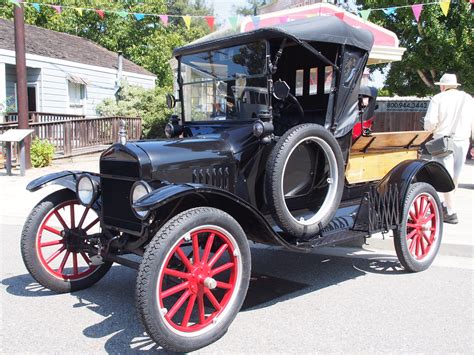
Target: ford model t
(261,150)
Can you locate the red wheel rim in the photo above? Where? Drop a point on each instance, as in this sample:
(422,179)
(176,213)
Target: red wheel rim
(199,280)
(56,246)
(422,226)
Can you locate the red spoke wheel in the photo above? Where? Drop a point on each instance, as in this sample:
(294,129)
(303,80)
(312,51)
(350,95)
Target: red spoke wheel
(53,243)
(193,279)
(418,239)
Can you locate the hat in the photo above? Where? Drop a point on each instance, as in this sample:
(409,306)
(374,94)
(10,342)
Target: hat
(448,80)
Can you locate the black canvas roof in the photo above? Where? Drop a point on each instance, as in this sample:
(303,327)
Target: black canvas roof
(328,29)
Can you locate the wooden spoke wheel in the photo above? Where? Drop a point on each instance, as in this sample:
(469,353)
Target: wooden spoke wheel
(193,279)
(54,243)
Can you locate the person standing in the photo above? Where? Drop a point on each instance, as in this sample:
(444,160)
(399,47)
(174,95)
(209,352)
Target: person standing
(451,112)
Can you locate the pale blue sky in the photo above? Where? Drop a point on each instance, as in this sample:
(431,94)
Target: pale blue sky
(223,8)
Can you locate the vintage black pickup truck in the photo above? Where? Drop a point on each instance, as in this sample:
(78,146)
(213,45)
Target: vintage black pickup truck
(260,149)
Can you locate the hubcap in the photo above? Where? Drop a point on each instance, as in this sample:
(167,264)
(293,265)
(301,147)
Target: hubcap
(61,238)
(198,280)
(422,226)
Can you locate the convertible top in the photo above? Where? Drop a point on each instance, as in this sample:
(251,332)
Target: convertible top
(329,29)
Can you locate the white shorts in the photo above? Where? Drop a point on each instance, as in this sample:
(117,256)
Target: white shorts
(454,162)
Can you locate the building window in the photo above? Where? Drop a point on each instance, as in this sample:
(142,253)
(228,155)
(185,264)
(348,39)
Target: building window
(327,79)
(77,94)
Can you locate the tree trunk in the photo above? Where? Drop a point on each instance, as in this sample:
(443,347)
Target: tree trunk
(424,78)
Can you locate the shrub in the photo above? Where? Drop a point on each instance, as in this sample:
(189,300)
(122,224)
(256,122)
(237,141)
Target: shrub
(41,152)
(135,101)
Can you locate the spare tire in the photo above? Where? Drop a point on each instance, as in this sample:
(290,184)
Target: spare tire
(304,180)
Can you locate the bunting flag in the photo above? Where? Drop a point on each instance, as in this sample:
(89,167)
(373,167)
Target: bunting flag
(256,21)
(417,8)
(78,10)
(187,21)
(164,19)
(390,11)
(444,4)
(210,22)
(233,21)
(57,8)
(101,13)
(122,14)
(37,7)
(139,17)
(365,14)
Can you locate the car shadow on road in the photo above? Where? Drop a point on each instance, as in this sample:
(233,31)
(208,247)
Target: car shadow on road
(278,276)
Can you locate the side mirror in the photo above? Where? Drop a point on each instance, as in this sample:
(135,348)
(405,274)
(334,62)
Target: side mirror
(281,90)
(170,101)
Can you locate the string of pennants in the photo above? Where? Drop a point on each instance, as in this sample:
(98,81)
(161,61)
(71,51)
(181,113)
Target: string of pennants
(164,18)
(416,8)
(232,20)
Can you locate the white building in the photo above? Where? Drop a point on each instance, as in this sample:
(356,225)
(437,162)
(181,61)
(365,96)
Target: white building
(66,74)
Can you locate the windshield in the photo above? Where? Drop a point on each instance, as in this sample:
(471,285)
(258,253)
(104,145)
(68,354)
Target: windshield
(225,84)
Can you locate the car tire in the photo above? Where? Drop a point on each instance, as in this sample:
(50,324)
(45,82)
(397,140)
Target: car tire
(418,238)
(49,243)
(295,140)
(177,275)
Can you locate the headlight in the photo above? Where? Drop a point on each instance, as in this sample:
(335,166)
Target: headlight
(87,189)
(140,189)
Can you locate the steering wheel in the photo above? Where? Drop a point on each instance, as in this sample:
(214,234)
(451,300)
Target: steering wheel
(285,103)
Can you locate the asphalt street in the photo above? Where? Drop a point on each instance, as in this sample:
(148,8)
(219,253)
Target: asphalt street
(354,300)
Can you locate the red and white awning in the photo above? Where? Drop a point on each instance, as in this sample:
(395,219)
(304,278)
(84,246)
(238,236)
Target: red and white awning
(386,44)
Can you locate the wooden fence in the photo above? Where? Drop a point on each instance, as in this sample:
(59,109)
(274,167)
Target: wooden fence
(398,121)
(42,117)
(67,135)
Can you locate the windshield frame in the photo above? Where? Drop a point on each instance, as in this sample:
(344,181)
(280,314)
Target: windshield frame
(181,85)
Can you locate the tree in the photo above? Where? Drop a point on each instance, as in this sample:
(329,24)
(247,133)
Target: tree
(435,45)
(147,42)
(250,9)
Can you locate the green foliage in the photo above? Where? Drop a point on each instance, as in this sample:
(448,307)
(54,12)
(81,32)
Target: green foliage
(436,45)
(42,152)
(250,9)
(147,42)
(135,101)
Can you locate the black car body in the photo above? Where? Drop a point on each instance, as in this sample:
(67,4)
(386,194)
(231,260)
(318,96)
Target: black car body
(240,144)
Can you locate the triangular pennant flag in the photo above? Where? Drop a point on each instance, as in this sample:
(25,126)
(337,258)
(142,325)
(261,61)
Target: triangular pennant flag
(122,14)
(389,11)
(139,17)
(444,4)
(164,19)
(57,8)
(283,19)
(233,21)
(79,10)
(417,11)
(339,15)
(256,21)
(37,7)
(364,14)
(187,21)
(210,22)
(15,2)
(101,13)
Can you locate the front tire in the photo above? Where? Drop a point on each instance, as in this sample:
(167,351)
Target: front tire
(418,239)
(193,279)
(51,240)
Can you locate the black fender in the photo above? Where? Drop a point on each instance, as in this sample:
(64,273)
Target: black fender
(255,225)
(412,171)
(63,178)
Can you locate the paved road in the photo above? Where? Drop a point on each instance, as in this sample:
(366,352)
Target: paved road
(335,300)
